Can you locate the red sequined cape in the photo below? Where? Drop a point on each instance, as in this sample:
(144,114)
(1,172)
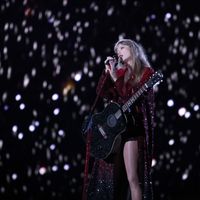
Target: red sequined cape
(108,178)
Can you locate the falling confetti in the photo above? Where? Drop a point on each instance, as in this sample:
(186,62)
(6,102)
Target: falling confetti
(51,55)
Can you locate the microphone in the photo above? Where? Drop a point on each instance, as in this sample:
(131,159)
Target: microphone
(120,62)
(116,62)
(113,59)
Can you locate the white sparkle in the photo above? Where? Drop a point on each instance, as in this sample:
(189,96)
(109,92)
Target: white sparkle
(18,97)
(55,97)
(185,176)
(14,176)
(187,114)
(170,103)
(22,106)
(14,128)
(171,142)
(66,167)
(61,133)
(153,162)
(78,76)
(196,107)
(52,146)
(56,111)
(31,128)
(20,136)
(55,168)
(182,111)
(42,170)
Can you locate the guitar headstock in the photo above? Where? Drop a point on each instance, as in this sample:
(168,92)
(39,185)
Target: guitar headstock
(157,77)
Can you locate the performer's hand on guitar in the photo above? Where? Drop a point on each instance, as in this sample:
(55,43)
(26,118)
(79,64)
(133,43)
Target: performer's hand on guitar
(110,67)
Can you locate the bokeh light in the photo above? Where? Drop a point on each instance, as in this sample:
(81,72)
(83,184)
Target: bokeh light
(51,55)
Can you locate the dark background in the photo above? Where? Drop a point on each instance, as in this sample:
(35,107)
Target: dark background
(51,55)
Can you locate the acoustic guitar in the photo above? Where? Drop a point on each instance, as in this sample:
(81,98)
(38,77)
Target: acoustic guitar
(108,125)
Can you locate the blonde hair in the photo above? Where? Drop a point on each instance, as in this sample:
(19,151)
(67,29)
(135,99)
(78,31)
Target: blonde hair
(138,52)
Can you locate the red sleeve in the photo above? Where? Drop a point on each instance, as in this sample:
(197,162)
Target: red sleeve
(148,71)
(120,86)
(125,90)
(106,87)
(111,89)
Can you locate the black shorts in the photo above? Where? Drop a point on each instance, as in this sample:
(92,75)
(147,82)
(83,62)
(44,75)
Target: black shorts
(134,128)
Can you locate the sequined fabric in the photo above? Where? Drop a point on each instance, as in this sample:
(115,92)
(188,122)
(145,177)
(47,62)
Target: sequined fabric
(101,185)
(108,178)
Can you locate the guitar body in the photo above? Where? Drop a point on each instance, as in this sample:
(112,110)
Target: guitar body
(107,127)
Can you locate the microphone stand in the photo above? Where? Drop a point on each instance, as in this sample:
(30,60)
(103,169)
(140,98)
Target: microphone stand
(88,140)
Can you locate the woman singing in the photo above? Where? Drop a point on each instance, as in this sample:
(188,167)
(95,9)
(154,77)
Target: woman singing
(126,174)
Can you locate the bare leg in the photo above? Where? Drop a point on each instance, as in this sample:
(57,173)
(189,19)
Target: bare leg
(131,164)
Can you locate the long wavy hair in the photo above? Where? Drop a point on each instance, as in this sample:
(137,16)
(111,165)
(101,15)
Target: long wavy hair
(141,61)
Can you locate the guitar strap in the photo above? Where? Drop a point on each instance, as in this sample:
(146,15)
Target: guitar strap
(88,141)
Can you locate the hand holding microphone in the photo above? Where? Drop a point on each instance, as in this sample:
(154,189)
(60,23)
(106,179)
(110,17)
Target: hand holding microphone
(110,61)
(112,64)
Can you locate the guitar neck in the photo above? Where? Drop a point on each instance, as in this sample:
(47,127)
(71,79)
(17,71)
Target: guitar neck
(155,78)
(129,103)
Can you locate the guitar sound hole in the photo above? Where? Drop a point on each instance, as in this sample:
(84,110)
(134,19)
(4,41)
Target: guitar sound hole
(111,121)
